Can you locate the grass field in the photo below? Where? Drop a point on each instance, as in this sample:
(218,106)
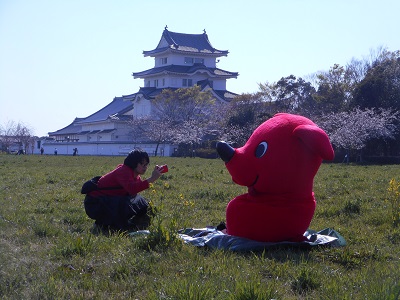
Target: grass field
(47,250)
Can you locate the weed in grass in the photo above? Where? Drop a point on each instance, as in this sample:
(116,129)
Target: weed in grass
(352,207)
(161,236)
(186,289)
(74,245)
(44,209)
(48,291)
(45,230)
(394,236)
(254,291)
(305,281)
(121,272)
(9,283)
(50,180)
(394,201)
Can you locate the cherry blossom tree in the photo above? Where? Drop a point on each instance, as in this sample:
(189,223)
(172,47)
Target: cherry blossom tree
(181,116)
(351,130)
(148,129)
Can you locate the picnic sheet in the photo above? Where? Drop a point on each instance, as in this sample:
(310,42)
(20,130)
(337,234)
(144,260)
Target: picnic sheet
(211,237)
(215,239)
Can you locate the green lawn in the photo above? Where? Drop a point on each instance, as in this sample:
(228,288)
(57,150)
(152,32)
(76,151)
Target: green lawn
(47,250)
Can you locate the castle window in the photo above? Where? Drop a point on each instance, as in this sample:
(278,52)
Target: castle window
(189,60)
(164,60)
(163,81)
(156,83)
(187,82)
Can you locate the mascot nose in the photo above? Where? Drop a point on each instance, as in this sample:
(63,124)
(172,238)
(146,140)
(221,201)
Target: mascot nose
(225,151)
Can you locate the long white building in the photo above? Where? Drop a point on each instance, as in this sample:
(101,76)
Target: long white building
(180,60)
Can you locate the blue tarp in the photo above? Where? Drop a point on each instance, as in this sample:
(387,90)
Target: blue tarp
(215,239)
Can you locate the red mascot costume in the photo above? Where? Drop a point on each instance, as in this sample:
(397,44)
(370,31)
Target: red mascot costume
(277,164)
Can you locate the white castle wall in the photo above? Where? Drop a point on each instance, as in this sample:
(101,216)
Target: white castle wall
(103,148)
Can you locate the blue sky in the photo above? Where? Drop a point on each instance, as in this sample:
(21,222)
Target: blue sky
(65,59)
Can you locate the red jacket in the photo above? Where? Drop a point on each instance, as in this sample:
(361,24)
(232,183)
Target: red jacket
(124,177)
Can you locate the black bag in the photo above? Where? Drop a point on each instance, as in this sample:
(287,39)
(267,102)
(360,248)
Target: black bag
(90,185)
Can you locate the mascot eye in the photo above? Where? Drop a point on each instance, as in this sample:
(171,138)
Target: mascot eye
(261,149)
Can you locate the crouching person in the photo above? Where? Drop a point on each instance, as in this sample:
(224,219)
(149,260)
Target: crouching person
(114,202)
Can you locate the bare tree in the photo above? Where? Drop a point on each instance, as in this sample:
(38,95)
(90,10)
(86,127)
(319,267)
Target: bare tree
(7,133)
(356,70)
(16,133)
(24,136)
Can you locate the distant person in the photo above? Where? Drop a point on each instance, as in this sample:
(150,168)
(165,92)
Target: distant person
(55,151)
(75,152)
(116,203)
(41,151)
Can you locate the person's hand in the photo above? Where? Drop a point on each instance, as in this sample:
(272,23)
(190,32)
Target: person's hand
(155,174)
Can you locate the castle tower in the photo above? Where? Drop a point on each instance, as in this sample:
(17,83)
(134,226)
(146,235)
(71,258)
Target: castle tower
(182,60)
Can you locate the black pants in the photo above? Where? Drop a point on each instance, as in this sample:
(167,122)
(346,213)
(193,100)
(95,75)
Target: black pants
(115,211)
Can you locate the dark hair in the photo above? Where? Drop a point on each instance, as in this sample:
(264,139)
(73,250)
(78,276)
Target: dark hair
(136,156)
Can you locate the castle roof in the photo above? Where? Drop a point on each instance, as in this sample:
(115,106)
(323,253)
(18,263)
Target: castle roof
(187,70)
(187,43)
(69,129)
(152,92)
(115,111)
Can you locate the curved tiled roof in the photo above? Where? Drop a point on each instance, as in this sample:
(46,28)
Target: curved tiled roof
(114,110)
(70,129)
(226,95)
(152,92)
(183,42)
(187,70)
(149,92)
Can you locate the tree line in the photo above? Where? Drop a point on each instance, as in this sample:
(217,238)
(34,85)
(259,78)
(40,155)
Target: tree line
(358,105)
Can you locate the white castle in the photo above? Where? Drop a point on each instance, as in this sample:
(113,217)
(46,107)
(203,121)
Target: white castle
(180,60)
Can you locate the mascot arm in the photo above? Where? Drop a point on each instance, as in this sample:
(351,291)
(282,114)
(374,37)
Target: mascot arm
(316,140)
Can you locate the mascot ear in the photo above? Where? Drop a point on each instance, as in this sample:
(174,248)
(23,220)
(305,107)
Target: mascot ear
(315,139)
